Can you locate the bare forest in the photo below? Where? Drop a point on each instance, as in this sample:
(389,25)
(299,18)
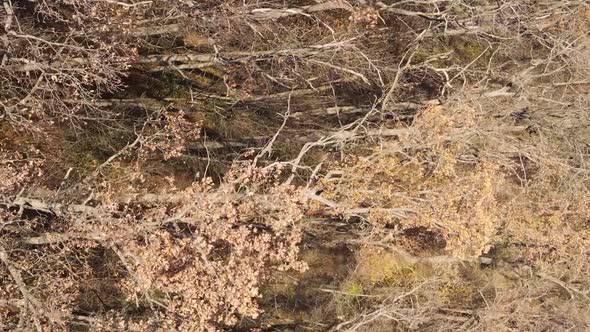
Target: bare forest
(294,165)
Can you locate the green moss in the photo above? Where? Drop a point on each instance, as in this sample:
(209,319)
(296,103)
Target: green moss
(457,293)
(214,71)
(462,51)
(85,151)
(283,287)
(352,288)
(466,50)
(178,91)
(85,161)
(157,295)
(421,55)
(380,268)
(287,149)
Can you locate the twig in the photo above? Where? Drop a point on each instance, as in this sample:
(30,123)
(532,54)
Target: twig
(37,305)
(113,157)
(128,5)
(268,147)
(564,285)
(9,15)
(274,13)
(333,291)
(396,79)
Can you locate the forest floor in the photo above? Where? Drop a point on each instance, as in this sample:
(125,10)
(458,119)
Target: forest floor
(295,166)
